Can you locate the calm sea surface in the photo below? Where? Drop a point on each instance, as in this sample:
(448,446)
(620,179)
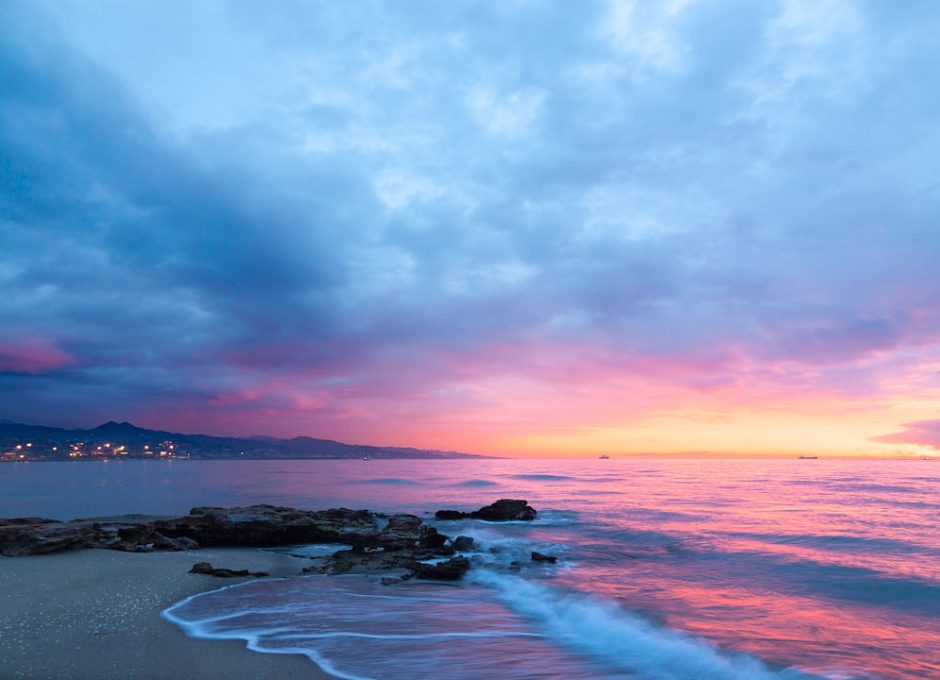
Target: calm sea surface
(668,570)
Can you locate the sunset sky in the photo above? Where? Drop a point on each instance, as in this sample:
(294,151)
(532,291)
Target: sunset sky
(509,227)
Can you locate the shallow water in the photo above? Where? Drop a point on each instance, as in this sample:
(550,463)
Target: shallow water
(669,569)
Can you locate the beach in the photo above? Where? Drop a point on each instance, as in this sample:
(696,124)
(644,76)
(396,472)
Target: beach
(95,615)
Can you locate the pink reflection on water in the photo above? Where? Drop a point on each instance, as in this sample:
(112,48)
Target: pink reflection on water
(827,565)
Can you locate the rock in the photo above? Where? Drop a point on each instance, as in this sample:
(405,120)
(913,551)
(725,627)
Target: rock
(451,570)
(463,543)
(162,542)
(503,510)
(506,509)
(431,539)
(253,526)
(392,580)
(402,549)
(269,525)
(207,569)
(186,543)
(539,557)
(402,523)
(35,536)
(354,561)
(401,532)
(404,541)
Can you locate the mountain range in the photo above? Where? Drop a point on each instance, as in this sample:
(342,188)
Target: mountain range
(56,442)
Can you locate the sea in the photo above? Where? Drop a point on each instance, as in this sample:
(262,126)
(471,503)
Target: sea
(667,569)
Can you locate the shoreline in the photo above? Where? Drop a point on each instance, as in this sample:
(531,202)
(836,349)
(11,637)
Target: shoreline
(95,614)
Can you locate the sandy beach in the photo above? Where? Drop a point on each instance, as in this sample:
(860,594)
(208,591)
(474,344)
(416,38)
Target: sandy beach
(95,615)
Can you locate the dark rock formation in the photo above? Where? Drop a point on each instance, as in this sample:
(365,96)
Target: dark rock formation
(451,570)
(405,546)
(431,539)
(34,536)
(269,525)
(401,546)
(463,543)
(161,542)
(539,557)
(401,532)
(254,526)
(503,510)
(207,569)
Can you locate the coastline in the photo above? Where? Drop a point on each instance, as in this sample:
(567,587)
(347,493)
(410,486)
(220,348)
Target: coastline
(96,614)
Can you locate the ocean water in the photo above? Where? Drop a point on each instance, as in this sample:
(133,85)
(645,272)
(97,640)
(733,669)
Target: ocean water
(668,570)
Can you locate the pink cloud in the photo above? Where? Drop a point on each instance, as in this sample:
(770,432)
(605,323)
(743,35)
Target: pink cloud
(923,432)
(32,357)
(495,398)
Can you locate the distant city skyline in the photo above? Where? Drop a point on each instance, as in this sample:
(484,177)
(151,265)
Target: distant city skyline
(509,228)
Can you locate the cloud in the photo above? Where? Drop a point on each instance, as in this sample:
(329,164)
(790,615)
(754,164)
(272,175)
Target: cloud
(32,357)
(923,433)
(218,212)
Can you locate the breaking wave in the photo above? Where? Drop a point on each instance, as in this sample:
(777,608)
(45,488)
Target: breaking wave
(495,625)
(624,641)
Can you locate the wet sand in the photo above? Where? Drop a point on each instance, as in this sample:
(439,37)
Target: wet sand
(95,615)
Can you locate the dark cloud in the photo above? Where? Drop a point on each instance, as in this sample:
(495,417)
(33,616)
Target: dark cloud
(216,210)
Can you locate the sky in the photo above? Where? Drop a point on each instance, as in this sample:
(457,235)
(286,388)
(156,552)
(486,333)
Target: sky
(512,227)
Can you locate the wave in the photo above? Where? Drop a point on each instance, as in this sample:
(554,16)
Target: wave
(476,483)
(430,631)
(543,478)
(889,590)
(343,625)
(863,485)
(623,640)
(310,550)
(839,542)
(395,481)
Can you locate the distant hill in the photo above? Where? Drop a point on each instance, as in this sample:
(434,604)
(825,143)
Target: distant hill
(55,442)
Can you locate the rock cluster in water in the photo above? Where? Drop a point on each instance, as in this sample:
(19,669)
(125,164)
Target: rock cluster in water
(503,510)
(403,544)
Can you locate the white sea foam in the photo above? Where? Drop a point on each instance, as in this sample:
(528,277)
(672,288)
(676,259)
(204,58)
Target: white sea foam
(203,628)
(311,551)
(623,640)
(353,635)
(426,625)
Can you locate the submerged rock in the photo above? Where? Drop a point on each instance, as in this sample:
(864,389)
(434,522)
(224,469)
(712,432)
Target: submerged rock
(463,543)
(404,542)
(432,539)
(503,510)
(539,557)
(450,570)
(401,532)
